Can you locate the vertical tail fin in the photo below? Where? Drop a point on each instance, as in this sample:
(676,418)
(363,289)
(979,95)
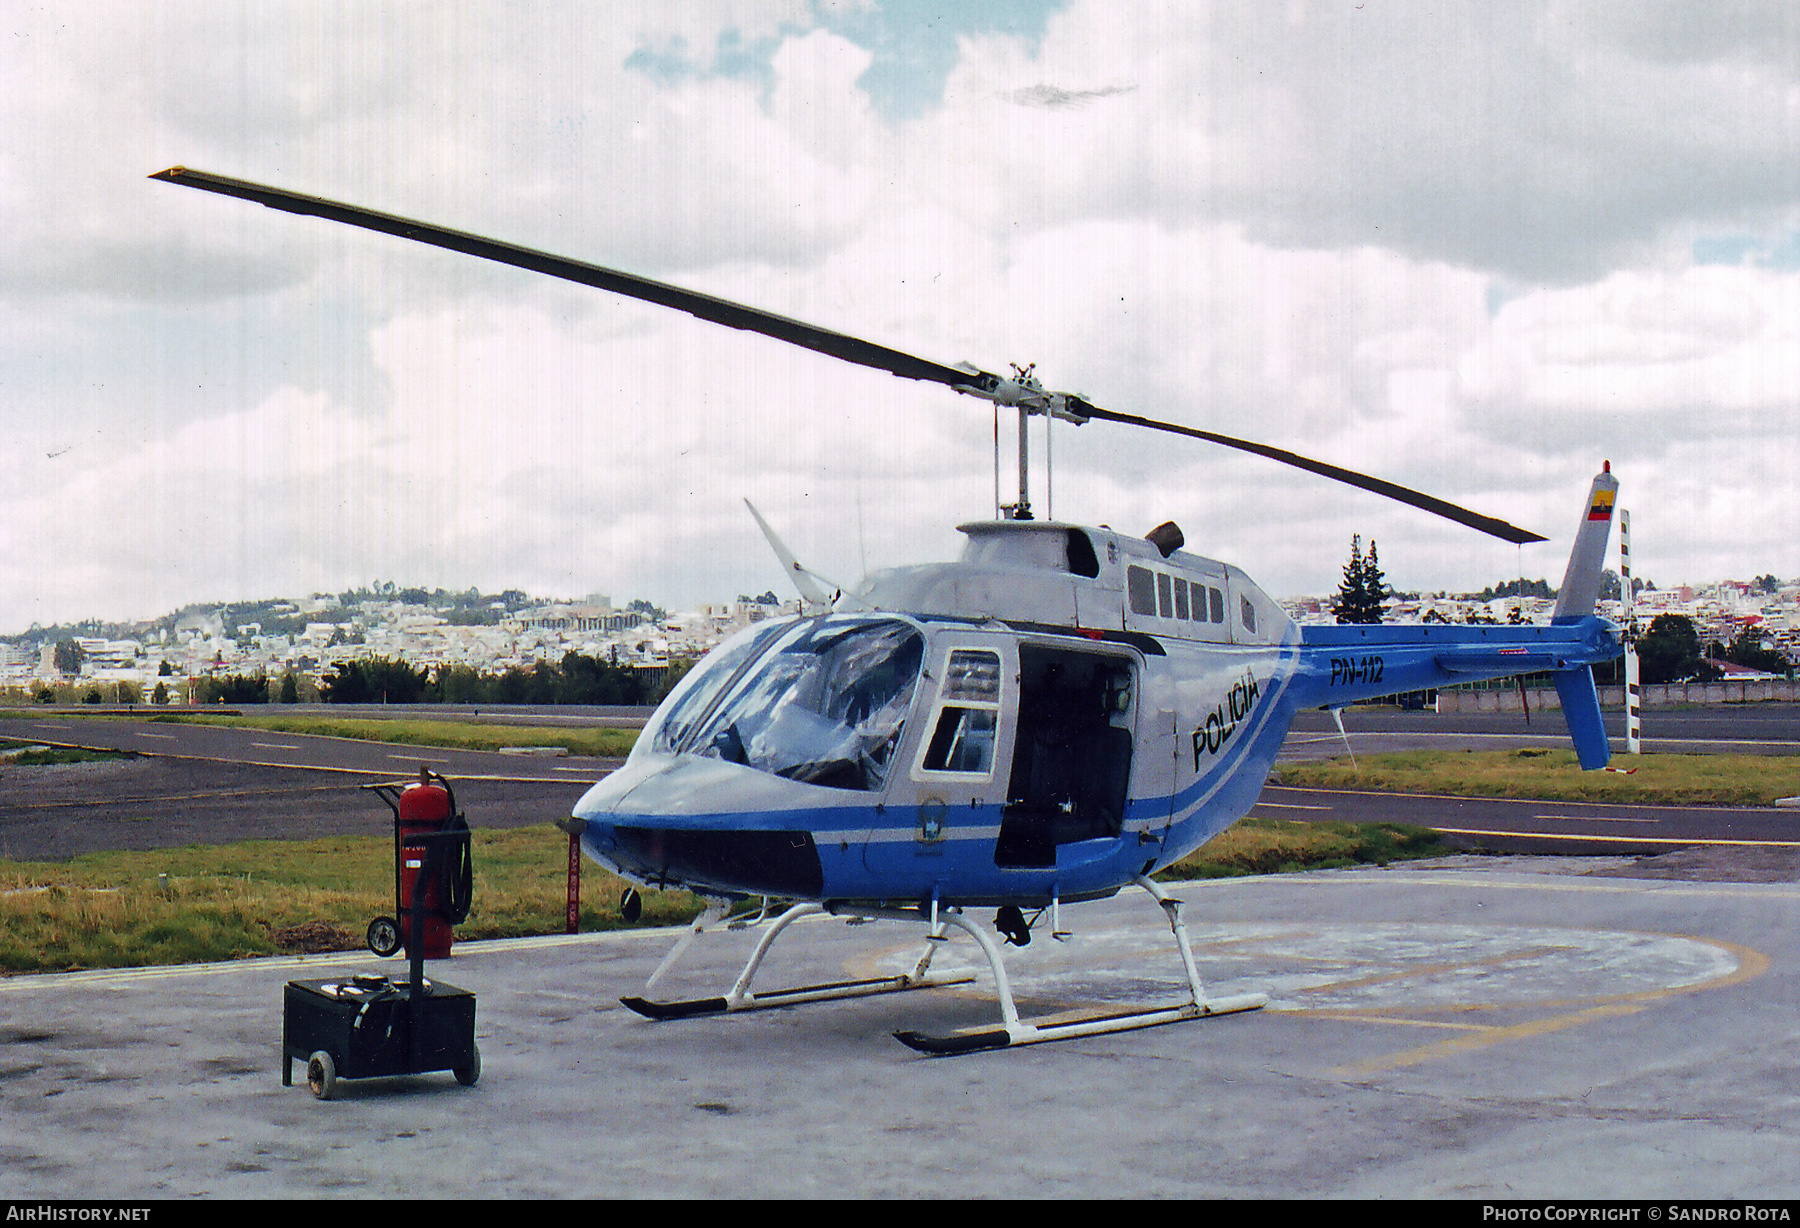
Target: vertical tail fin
(1581,582)
(1579,594)
(1581,709)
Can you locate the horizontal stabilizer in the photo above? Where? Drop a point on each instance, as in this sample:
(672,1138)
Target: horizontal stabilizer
(1491,661)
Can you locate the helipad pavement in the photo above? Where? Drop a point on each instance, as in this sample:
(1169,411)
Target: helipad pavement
(1474,1029)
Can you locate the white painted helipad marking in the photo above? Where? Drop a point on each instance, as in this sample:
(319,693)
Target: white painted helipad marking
(417,759)
(276,745)
(1411,975)
(1287,806)
(166,737)
(1591,818)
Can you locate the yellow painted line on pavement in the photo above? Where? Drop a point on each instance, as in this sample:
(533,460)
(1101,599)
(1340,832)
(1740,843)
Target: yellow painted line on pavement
(1527,801)
(1591,837)
(1491,880)
(1398,1021)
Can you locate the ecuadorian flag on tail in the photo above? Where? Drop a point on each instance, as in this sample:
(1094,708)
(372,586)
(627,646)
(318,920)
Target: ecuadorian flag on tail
(1581,582)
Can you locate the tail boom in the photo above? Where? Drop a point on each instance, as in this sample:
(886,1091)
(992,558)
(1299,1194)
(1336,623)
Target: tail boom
(1341,665)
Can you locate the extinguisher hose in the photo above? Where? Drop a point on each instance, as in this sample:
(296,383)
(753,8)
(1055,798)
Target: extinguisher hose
(452,866)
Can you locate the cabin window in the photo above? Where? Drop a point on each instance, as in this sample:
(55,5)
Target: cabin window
(1249,614)
(973,675)
(826,705)
(962,742)
(1142,586)
(1181,599)
(1218,604)
(963,739)
(1165,604)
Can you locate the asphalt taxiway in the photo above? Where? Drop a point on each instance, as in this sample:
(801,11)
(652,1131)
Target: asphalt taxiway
(215,784)
(206,784)
(1475,1028)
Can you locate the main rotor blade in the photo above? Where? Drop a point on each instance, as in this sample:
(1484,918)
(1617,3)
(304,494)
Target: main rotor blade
(704,306)
(1404,494)
(794,332)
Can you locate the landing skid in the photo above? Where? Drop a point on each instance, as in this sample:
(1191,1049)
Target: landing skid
(1012,1031)
(740,998)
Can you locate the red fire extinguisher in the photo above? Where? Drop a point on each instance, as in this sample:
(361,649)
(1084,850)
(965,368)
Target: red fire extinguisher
(432,874)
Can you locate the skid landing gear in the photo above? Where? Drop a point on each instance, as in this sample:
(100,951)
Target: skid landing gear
(1012,1031)
(740,998)
(1015,1031)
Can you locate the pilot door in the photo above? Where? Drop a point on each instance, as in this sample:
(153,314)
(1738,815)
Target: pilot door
(1071,759)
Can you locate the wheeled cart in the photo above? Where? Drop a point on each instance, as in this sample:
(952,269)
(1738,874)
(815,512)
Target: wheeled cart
(365,1027)
(368,1026)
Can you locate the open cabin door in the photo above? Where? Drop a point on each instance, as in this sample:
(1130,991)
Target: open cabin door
(1071,756)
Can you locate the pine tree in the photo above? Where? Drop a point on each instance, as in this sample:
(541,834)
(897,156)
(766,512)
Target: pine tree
(1364,588)
(1375,586)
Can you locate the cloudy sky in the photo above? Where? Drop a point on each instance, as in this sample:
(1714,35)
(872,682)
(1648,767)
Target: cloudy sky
(1470,247)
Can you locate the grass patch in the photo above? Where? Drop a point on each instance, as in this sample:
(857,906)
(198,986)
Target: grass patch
(1284,846)
(261,897)
(459,735)
(1554,775)
(45,755)
(108,910)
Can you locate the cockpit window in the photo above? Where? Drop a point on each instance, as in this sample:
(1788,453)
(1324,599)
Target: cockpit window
(693,697)
(825,705)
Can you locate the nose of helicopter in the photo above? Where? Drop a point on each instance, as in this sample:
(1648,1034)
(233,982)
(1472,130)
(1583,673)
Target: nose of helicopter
(705,824)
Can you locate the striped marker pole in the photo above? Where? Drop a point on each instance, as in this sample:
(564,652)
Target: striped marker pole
(1633,691)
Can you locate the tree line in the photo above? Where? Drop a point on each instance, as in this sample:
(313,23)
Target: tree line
(577,679)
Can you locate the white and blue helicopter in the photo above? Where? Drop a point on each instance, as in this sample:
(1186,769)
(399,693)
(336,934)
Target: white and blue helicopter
(1057,715)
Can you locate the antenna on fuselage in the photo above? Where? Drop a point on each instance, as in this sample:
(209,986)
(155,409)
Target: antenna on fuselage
(807,582)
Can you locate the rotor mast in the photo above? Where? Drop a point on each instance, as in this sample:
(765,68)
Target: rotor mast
(1022,509)
(1028,396)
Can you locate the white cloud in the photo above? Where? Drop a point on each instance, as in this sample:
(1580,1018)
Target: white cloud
(1283,222)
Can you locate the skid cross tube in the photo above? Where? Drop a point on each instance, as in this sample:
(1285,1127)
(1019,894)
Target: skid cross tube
(740,997)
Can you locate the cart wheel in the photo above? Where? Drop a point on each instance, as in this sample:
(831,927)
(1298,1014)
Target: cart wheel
(466,1075)
(321,1075)
(384,936)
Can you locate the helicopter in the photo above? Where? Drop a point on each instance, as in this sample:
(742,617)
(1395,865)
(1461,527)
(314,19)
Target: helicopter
(1055,716)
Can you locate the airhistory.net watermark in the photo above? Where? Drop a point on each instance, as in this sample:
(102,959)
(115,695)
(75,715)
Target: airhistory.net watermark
(63,1213)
